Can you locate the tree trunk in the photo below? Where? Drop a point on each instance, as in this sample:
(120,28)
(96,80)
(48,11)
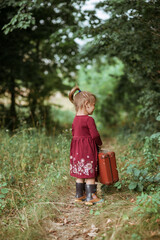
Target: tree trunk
(13,114)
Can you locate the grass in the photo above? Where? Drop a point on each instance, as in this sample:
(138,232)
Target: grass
(34,172)
(127,214)
(116,219)
(35,175)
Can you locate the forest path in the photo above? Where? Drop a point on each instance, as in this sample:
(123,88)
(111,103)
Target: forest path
(71,222)
(80,222)
(76,221)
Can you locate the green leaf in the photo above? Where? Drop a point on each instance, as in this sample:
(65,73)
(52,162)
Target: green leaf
(158,118)
(125,217)
(97,213)
(136,172)
(2,196)
(91,211)
(157,178)
(155,135)
(4,184)
(140,187)
(118,185)
(4,190)
(132,185)
(141,178)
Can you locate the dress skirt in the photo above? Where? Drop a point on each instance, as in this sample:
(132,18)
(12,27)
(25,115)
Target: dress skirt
(83,157)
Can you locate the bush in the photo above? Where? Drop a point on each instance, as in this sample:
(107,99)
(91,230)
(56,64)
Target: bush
(148,205)
(140,167)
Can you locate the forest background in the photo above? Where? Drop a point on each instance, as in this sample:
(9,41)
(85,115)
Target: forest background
(118,61)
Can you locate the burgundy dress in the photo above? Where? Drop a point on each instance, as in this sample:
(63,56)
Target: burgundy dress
(83,151)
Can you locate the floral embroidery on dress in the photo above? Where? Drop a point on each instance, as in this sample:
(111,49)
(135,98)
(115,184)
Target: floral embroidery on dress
(88,166)
(82,168)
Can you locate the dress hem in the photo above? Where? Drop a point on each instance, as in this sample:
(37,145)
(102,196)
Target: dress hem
(87,177)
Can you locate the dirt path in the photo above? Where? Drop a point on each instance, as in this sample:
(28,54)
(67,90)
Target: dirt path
(72,223)
(80,222)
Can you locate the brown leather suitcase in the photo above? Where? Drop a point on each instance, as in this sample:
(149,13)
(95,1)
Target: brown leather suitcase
(108,173)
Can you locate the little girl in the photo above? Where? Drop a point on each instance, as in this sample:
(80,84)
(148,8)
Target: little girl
(84,145)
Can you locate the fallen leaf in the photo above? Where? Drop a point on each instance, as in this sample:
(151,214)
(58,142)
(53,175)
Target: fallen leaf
(52,231)
(65,221)
(92,234)
(94,231)
(131,223)
(108,220)
(79,224)
(154,233)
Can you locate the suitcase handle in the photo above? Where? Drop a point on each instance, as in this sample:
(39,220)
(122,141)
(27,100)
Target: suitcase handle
(107,155)
(103,150)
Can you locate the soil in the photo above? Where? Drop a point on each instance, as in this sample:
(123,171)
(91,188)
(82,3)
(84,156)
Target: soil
(72,223)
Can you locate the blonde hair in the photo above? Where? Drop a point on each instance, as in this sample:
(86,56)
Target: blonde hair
(81,97)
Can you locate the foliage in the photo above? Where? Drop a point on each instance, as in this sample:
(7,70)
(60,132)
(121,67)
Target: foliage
(148,205)
(101,78)
(131,213)
(23,18)
(34,171)
(34,158)
(37,54)
(134,173)
(3,192)
(131,33)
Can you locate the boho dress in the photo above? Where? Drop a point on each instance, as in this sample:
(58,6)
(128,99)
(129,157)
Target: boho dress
(83,151)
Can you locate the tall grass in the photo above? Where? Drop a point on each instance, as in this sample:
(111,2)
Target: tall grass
(132,210)
(34,171)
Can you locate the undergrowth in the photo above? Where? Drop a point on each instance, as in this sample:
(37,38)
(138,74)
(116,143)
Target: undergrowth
(132,205)
(34,171)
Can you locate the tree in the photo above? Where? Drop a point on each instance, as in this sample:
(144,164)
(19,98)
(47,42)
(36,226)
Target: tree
(38,50)
(132,34)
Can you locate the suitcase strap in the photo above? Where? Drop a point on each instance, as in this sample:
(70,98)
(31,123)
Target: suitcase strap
(110,166)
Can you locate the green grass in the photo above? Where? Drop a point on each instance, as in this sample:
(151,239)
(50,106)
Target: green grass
(117,219)
(34,172)
(130,214)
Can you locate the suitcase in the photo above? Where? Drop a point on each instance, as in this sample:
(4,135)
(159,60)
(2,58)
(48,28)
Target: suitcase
(108,173)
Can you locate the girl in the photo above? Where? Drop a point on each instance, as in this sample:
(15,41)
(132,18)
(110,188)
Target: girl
(84,145)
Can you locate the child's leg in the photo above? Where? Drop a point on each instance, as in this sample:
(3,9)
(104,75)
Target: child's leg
(80,190)
(80,180)
(90,181)
(91,191)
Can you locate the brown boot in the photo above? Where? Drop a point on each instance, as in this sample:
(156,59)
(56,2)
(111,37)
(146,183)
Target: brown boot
(91,197)
(80,192)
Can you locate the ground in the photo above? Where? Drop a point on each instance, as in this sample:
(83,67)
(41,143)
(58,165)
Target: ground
(78,222)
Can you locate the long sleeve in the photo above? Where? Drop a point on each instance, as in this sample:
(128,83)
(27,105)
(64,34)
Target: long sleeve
(93,131)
